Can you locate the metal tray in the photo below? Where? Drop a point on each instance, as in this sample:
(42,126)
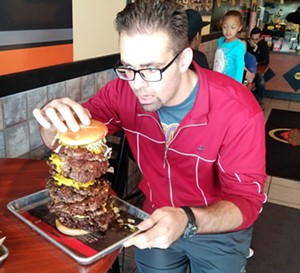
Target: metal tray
(32,210)
(3,253)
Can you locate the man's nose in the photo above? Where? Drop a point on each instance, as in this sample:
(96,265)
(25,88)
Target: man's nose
(139,82)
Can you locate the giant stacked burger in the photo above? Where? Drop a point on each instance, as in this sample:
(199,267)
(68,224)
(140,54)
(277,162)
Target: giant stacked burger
(79,195)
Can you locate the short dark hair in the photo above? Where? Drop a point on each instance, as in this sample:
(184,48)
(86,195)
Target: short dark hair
(256,30)
(195,23)
(148,16)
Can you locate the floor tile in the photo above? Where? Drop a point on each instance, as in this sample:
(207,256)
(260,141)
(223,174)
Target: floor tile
(294,106)
(279,104)
(283,203)
(284,192)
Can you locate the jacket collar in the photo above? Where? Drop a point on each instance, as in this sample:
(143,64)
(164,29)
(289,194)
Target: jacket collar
(199,112)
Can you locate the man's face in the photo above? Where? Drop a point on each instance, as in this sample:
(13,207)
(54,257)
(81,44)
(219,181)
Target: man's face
(151,51)
(255,38)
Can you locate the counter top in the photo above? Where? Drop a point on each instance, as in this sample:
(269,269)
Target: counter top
(297,53)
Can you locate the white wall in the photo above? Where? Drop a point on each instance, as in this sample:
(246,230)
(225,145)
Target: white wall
(93,27)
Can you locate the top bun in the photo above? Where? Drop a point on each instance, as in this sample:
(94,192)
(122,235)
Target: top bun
(86,135)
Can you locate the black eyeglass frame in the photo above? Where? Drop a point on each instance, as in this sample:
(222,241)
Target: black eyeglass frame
(161,70)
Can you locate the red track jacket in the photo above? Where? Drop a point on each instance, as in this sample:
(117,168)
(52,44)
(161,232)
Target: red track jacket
(218,150)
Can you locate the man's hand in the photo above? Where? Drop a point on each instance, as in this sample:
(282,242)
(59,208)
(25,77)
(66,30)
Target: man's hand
(63,114)
(161,229)
(254,45)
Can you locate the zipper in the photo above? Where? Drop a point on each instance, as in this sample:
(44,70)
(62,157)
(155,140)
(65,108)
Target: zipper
(165,155)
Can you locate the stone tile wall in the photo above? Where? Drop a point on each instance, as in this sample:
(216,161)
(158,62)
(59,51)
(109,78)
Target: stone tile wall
(19,134)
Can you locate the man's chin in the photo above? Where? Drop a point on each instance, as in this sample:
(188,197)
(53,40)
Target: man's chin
(150,107)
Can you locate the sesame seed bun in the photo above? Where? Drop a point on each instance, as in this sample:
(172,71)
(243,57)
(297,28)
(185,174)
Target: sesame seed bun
(86,135)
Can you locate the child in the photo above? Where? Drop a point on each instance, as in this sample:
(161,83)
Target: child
(229,56)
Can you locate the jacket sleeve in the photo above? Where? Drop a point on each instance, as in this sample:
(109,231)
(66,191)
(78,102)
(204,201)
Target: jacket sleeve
(242,167)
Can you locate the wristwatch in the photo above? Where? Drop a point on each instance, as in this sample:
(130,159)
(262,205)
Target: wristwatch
(191,227)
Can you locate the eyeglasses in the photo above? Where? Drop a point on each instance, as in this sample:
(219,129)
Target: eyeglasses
(147,74)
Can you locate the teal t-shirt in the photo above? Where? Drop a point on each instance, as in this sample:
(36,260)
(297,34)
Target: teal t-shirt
(229,58)
(171,116)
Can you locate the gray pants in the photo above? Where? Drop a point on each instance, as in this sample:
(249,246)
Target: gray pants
(202,253)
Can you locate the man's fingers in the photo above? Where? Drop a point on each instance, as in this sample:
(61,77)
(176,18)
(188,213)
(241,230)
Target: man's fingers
(64,114)
(154,237)
(82,113)
(146,224)
(38,114)
(56,119)
(141,241)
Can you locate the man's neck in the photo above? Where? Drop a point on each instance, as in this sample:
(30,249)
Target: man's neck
(185,88)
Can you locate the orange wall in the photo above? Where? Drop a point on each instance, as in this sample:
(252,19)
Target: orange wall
(18,60)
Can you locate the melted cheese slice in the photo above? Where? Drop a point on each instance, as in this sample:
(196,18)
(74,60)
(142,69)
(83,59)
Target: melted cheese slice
(56,161)
(69,182)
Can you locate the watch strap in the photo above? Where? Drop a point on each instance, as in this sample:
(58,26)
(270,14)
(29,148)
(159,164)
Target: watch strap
(191,217)
(191,227)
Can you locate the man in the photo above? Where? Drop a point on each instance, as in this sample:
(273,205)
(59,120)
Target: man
(259,48)
(197,136)
(195,25)
(294,17)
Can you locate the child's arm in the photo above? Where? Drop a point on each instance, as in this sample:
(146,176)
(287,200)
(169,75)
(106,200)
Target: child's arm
(240,63)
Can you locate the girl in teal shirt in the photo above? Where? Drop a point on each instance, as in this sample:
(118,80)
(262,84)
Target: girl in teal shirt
(229,56)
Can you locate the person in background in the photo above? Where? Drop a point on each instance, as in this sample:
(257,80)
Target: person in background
(229,56)
(294,17)
(197,136)
(195,25)
(259,48)
(250,67)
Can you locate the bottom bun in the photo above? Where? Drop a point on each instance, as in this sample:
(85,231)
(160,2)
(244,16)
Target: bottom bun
(69,231)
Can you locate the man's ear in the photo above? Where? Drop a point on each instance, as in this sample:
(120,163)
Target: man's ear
(186,58)
(199,38)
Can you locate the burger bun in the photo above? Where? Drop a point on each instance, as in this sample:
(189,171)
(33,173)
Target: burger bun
(69,231)
(86,135)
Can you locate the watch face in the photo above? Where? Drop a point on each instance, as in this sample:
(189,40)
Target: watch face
(190,230)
